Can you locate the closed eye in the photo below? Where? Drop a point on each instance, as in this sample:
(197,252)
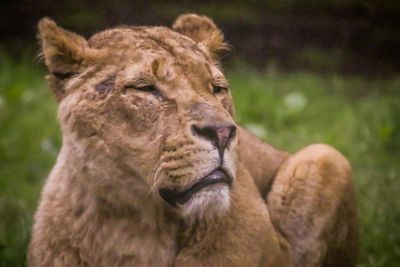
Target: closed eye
(219,89)
(63,75)
(146,88)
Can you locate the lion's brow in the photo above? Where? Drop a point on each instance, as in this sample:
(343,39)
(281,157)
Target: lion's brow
(168,48)
(171,49)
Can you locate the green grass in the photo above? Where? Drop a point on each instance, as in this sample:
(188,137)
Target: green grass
(29,140)
(359,117)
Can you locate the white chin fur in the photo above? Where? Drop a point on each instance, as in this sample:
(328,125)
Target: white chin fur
(208,202)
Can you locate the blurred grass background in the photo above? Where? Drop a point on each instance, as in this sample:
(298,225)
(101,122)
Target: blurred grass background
(318,89)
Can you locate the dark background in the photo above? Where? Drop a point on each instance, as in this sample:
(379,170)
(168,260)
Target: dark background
(347,36)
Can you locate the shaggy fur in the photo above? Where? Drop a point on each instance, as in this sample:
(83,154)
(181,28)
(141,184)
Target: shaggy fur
(130,101)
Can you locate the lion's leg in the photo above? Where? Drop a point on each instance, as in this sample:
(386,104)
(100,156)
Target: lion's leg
(252,152)
(312,205)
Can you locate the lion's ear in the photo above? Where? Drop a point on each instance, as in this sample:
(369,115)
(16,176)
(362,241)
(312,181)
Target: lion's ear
(202,30)
(65,53)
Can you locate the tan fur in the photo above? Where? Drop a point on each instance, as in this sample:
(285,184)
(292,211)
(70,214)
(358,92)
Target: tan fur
(124,141)
(312,204)
(203,31)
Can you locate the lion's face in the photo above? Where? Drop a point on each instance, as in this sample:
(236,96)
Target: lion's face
(147,109)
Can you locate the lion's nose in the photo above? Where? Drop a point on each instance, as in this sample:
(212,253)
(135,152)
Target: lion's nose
(219,135)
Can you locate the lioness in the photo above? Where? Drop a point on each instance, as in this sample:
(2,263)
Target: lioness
(153,170)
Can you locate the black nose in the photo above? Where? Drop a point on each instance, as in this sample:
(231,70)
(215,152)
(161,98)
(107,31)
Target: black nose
(219,135)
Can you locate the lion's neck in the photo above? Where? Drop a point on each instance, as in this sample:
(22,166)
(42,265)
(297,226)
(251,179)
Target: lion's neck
(93,221)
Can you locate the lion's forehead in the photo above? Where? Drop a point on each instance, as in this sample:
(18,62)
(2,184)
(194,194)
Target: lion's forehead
(132,39)
(145,47)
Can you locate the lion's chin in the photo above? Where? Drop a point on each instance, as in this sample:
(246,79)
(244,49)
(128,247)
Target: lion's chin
(209,202)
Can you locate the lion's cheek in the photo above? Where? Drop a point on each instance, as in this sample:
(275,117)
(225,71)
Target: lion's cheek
(140,117)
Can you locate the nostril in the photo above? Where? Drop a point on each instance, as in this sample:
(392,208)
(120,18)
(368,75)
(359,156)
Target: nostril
(232,132)
(219,135)
(206,132)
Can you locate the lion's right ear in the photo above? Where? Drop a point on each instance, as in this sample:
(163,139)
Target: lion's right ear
(203,31)
(65,53)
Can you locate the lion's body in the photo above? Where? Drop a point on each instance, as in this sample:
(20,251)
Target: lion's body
(154,172)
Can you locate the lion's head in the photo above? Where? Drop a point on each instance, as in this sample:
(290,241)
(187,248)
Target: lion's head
(146,109)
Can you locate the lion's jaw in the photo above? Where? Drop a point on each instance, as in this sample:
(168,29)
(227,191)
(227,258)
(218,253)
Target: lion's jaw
(205,187)
(131,141)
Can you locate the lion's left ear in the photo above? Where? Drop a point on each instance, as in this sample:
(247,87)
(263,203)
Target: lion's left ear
(203,31)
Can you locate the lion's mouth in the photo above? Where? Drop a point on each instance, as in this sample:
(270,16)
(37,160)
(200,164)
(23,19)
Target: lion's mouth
(173,196)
